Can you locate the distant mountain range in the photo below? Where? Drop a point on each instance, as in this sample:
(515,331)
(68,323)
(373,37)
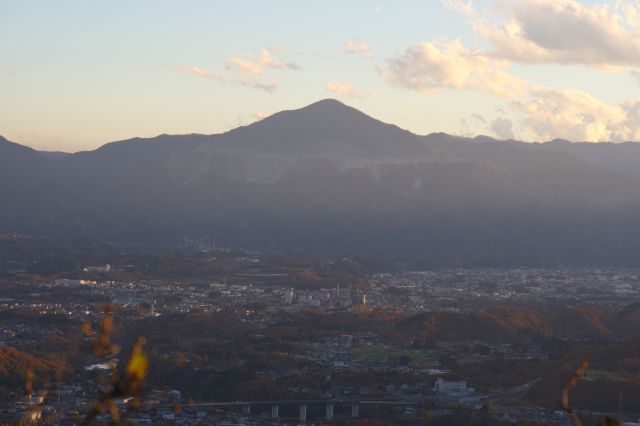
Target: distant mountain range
(329,178)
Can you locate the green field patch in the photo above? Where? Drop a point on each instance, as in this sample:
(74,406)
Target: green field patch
(594,374)
(379,352)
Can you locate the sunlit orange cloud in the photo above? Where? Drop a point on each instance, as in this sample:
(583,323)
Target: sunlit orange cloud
(357,46)
(343,89)
(428,67)
(250,71)
(197,71)
(543,32)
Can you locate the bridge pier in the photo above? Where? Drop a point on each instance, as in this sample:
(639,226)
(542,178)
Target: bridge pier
(330,411)
(303,413)
(246,409)
(274,411)
(355,410)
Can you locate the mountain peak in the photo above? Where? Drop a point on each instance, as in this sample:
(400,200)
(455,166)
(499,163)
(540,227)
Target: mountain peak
(326,116)
(326,103)
(559,141)
(327,127)
(328,109)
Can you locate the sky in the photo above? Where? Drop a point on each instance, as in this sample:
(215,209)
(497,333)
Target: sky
(77,74)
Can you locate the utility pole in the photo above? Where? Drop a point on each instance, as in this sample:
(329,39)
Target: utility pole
(620,407)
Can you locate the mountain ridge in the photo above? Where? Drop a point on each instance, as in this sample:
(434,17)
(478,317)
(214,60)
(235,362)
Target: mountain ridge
(333,107)
(329,177)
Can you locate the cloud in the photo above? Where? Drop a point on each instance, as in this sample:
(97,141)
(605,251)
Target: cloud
(198,72)
(469,126)
(357,47)
(632,123)
(343,90)
(547,113)
(428,67)
(256,67)
(575,115)
(377,9)
(250,71)
(323,55)
(606,38)
(464,7)
(503,128)
(260,115)
(267,86)
(478,118)
(10,72)
(566,32)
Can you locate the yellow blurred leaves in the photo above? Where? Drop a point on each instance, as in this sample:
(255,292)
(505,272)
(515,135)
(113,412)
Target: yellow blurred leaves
(138,362)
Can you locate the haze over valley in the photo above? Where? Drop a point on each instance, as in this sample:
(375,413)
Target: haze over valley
(284,213)
(328,177)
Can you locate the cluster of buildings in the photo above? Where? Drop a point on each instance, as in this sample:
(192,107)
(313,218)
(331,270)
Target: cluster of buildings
(461,289)
(344,297)
(456,290)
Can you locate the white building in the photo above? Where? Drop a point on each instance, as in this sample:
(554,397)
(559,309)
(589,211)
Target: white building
(105,268)
(288,296)
(456,393)
(452,388)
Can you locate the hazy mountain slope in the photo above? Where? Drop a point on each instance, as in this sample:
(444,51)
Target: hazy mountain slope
(620,157)
(327,176)
(616,157)
(56,155)
(25,186)
(13,157)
